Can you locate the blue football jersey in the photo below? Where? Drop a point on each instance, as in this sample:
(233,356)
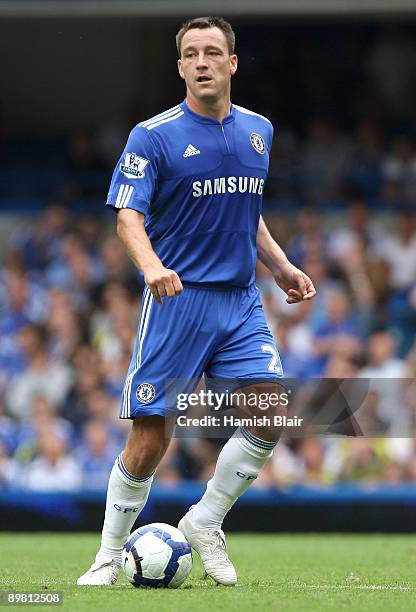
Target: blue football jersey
(199,182)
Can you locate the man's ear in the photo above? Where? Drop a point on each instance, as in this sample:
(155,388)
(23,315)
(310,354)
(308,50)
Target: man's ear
(234,64)
(181,74)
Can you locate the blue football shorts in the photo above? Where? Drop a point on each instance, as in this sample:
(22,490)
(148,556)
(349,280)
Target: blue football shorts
(221,333)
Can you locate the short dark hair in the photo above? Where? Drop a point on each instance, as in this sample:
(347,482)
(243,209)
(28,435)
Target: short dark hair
(207,22)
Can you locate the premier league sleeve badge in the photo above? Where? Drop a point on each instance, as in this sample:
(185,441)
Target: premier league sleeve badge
(134,165)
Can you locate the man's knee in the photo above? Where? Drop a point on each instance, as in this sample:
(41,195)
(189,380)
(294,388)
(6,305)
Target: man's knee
(263,402)
(263,399)
(147,443)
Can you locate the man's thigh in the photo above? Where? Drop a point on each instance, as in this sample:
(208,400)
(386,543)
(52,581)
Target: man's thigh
(247,364)
(248,351)
(173,344)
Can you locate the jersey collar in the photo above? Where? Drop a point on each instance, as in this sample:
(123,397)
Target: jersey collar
(207,120)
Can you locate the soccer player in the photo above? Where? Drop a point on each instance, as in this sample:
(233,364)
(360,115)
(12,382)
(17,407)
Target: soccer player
(188,193)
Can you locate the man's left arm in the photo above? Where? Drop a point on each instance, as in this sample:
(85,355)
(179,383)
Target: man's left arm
(295,283)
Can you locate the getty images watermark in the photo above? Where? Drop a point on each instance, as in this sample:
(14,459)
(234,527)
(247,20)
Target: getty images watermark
(247,403)
(368,407)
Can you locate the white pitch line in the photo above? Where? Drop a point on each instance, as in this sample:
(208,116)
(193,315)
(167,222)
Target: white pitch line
(365,587)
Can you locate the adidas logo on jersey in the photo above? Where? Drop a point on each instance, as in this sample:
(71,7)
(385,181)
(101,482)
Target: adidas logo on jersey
(190,150)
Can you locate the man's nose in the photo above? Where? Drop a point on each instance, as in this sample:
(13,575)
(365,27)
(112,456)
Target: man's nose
(201,60)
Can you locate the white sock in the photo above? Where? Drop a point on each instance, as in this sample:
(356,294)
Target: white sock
(238,464)
(126,497)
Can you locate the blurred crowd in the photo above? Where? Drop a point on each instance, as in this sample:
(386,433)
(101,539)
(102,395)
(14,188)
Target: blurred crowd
(69,307)
(322,165)
(329,165)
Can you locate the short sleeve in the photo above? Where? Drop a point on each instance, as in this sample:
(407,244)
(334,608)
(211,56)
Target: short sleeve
(135,175)
(270,134)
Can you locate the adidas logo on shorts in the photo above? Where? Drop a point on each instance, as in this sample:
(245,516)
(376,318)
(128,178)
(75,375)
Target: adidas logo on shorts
(190,150)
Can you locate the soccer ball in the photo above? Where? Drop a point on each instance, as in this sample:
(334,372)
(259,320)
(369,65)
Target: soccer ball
(157,555)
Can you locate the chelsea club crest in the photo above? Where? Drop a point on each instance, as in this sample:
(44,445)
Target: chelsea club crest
(258,142)
(145,393)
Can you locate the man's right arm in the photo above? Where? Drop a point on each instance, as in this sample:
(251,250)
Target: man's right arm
(161,281)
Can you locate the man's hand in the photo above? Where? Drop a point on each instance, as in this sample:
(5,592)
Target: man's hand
(162,282)
(295,283)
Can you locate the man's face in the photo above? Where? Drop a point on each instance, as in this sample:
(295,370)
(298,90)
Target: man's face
(206,65)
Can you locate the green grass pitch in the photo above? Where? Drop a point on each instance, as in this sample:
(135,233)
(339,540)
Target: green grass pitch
(275,572)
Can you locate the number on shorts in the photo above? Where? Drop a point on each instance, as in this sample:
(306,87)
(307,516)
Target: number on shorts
(274,363)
